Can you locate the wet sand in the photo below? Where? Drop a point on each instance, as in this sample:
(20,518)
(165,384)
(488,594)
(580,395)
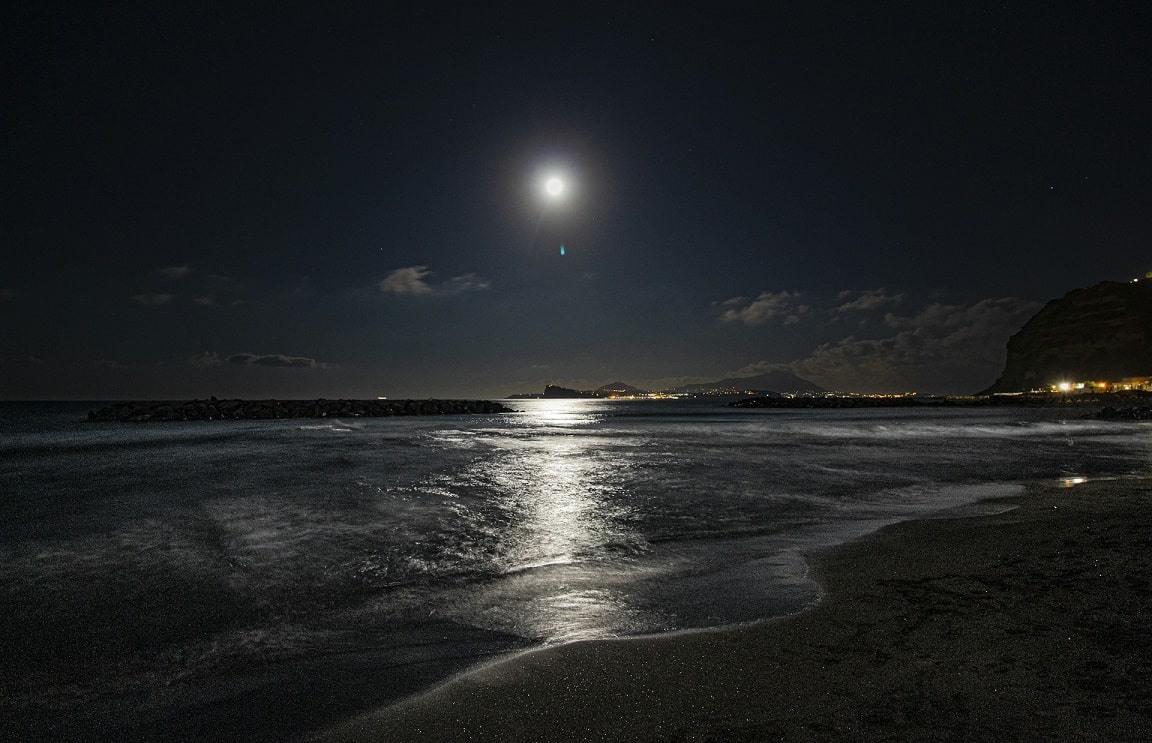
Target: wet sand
(1033,624)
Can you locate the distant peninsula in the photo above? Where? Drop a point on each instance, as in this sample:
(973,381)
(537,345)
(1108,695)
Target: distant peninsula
(220,410)
(774,382)
(1134,402)
(777,381)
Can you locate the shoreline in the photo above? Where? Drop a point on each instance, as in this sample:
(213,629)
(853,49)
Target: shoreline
(1026,623)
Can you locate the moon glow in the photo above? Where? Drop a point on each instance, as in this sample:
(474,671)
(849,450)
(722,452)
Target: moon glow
(554,186)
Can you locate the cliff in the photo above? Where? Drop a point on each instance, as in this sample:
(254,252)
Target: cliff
(553,391)
(1102,333)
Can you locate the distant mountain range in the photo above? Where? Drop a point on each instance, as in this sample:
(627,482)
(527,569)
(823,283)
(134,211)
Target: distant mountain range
(618,388)
(779,380)
(776,381)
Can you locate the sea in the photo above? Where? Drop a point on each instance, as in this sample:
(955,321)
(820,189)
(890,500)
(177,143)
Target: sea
(260,580)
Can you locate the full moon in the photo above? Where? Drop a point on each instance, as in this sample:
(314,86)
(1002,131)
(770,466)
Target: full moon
(554,186)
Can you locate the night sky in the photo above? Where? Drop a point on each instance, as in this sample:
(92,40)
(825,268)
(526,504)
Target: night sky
(301,201)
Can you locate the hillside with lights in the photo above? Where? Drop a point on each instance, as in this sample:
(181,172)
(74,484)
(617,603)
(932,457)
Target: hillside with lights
(1097,338)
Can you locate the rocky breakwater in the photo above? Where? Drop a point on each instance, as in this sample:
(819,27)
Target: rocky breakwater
(217,410)
(1124,414)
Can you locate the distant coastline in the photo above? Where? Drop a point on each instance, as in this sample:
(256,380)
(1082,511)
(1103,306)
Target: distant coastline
(771,383)
(1117,405)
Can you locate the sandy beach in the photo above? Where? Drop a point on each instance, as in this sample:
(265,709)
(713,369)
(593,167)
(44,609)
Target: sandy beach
(1031,624)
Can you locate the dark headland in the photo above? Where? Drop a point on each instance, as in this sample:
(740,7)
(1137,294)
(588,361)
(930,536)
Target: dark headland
(1091,338)
(218,410)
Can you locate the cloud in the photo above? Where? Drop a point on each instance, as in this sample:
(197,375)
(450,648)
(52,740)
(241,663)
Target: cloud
(152,300)
(871,364)
(757,368)
(275,360)
(176,272)
(764,308)
(941,348)
(868,300)
(408,280)
(206,359)
(985,312)
(204,289)
(413,280)
(22,361)
(469,282)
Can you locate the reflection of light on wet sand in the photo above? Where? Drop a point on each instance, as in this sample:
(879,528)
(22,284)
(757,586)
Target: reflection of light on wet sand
(585,614)
(561,603)
(1070,482)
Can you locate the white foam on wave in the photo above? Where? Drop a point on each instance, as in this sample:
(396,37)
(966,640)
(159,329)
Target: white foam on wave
(132,551)
(921,430)
(334,425)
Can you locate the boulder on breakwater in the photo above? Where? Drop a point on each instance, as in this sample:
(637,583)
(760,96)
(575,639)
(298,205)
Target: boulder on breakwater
(1124,414)
(214,410)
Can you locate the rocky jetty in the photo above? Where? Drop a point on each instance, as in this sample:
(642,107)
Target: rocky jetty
(216,410)
(1103,332)
(1124,414)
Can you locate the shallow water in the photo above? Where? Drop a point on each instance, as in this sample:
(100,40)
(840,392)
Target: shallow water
(251,580)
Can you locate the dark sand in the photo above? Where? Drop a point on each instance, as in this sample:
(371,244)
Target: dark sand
(1034,624)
